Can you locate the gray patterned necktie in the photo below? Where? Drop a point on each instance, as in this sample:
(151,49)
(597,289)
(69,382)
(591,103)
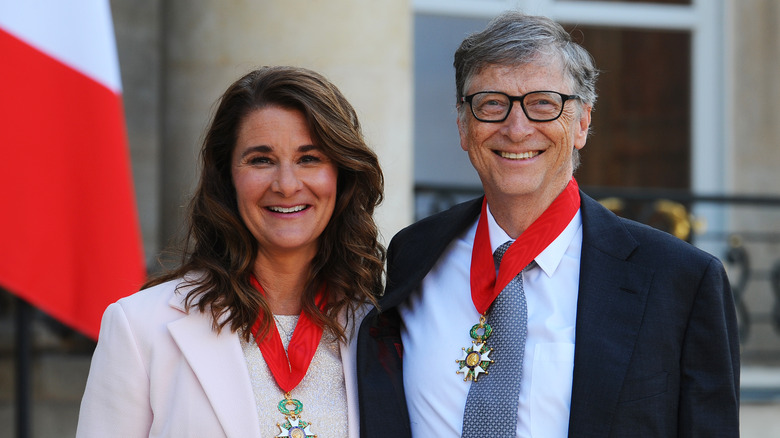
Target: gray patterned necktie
(491,405)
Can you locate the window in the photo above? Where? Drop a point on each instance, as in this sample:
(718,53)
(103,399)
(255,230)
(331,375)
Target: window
(660,50)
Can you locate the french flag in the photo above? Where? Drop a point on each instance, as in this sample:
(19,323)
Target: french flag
(70,241)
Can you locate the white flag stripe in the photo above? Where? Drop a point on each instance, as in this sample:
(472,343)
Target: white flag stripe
(78,33)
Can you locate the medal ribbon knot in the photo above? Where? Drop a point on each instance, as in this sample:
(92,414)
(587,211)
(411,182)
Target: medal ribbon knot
(485,287)
(289,368)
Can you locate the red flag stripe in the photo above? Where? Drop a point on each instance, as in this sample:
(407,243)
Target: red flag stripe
(69,234)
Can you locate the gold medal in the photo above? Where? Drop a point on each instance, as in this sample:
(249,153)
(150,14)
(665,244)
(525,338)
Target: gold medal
(293,427)
(475,359)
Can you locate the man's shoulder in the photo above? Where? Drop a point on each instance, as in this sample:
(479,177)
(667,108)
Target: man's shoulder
(661,249)
(416,248)
(449,221)
(653,239)
(603,229)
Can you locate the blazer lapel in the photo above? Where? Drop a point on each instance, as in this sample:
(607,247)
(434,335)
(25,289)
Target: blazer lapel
(218,363)
(348,361)
(610,307)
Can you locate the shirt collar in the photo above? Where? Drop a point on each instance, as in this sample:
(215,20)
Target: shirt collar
(550,257)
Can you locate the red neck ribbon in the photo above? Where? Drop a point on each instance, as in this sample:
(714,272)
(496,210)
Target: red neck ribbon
(546,228)
(288,369)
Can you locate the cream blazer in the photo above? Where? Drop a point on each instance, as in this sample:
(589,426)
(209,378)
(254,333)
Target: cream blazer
(159,371)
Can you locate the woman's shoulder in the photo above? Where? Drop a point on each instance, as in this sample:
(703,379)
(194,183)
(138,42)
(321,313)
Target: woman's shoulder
(163,301)
(351,321)
(362,310)
(147,313)
(159,293)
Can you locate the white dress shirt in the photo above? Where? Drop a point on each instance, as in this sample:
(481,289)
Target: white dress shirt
(437,320)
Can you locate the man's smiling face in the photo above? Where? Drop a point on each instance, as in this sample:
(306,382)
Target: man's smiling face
(518,158)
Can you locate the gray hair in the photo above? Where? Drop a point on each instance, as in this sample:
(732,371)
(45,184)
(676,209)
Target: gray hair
(514,38)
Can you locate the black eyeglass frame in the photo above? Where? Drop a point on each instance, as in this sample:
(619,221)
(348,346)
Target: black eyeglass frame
(512,99)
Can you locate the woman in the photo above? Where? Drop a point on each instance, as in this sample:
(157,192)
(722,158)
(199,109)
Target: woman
(282,260)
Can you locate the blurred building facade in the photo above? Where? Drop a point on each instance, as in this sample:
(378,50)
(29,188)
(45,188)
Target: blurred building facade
(688,113)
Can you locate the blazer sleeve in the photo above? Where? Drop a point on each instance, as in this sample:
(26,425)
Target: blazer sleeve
(117,392)
(709,387)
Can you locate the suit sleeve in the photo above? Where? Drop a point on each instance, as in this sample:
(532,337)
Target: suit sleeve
(383,410)
(709,392)
(116,399)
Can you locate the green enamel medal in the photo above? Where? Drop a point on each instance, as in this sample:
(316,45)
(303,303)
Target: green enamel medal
(475,359)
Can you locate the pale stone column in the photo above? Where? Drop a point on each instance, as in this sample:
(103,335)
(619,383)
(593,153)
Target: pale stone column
(752,62)
(364,47)
(137,28)
(752,71)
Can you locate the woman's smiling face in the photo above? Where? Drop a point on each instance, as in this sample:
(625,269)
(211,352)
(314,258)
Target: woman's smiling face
(285,185)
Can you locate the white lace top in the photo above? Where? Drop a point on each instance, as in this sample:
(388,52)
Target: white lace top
(321,391)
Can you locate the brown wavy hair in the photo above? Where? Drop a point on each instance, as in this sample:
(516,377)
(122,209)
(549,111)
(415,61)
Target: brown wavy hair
(218,245)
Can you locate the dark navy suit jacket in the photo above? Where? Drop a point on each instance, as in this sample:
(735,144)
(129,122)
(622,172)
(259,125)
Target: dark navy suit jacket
(656,344)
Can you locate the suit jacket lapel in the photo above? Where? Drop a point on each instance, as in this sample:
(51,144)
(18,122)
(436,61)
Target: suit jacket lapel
(218,363)
(610,306)
(411,255)
(411,262)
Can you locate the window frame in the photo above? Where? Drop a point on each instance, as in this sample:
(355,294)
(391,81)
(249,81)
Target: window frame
(710,128)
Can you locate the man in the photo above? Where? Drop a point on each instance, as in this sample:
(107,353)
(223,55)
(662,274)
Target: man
(590,326)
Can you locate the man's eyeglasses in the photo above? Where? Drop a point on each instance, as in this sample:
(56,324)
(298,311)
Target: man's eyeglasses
(538,106)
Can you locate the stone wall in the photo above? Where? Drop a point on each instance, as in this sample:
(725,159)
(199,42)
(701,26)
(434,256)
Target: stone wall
(753,90)
(177,57)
